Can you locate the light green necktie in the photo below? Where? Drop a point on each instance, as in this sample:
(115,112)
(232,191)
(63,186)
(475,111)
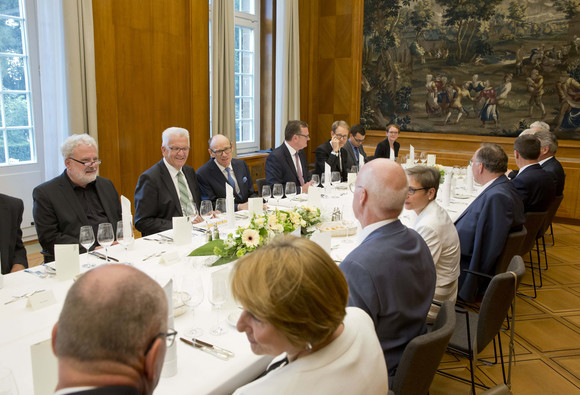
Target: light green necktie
(183,195)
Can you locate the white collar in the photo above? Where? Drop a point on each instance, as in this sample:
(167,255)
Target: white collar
(172,170)
(290,148)
(222,169)
(72,390)
(545,160)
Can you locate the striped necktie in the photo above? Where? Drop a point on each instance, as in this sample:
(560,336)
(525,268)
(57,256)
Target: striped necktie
(231,180)
(183,195)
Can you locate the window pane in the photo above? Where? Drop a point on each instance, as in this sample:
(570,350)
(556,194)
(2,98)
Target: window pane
(19,145)
(247,131)
(246,6)
(247,111)
(2,150)
(247,85)
(237,86)
(16,110)
(12,72)
(248,39)
(238,131)
(247,62)
(10,36)
(238,108)
(9,7)
(237,56)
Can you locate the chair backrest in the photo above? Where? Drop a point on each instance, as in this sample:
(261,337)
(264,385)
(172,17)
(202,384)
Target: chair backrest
(260,182)
(513,246)
(534,220)
(494,308)
(551,213)
(423,354)
(518,267)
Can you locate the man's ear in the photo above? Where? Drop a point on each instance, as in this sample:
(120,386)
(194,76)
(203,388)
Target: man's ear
(154,361)
(53,338)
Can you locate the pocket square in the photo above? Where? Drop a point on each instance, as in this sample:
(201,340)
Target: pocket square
(245,179)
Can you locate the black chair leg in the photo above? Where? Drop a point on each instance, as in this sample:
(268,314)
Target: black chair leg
(501,357)
(533,279)
(545,254)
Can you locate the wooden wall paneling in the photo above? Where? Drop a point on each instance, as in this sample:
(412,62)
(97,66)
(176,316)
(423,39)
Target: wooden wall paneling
(267,73)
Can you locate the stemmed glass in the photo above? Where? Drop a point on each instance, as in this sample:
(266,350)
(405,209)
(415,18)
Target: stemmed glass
(105,237)
(217,297)
(87,239)
(266,193)
(347,225)
(335,178)
(193,214)
(125,237)
(316,179)
(290,190)
(278,192)
(220,208)
(423,157)
(192,295)
(205,210)
(354,169)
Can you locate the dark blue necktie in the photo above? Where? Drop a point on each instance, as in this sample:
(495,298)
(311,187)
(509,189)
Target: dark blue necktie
(231,180)
(355,149)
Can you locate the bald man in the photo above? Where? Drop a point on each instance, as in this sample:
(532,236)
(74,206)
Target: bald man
(391,274)
(222,169)
(111,336)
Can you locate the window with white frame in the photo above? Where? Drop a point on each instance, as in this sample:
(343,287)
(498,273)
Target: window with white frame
(16,126)
(246,74)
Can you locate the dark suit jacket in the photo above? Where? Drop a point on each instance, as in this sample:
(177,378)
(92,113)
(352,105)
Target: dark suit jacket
(536,188)
(212,181)
(392,277)
(110,390)
(351,160)
(58,214)
(324,155)
(483,229)
(12,249)
(157,200)
(280,167)
(553,167)
(383,149)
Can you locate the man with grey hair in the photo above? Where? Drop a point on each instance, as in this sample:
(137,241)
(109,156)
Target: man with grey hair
(540,126)
(169,188)
(391,274)
(76,198)
(484,225)
(548,161)
(112,335)
(332,152)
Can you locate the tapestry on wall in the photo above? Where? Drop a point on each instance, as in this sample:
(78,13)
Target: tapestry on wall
(480,67)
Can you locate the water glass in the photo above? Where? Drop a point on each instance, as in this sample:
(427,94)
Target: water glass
(192,295)
(290,190)
(105,237)
(87,239)
(220,208)
(205,210)
(316,179)
(278,192)
(217,297)
(266,193)
(125,237)
(335,178)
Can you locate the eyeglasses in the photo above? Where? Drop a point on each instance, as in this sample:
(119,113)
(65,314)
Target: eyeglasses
(179,149)
(413,190)
(352,187)
(169,339)
(222,151)
(360,141)
(472,162)
(341,136)
(88,163)
(392,132)
(303,135)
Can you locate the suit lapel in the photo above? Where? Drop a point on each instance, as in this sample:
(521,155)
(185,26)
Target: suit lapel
(69,195)
(239,173)
(290,161)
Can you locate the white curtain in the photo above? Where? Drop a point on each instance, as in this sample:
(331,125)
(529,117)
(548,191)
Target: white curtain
(223,106)
(287,66)
(67,75)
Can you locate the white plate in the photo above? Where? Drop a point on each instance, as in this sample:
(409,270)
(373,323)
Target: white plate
(233,318)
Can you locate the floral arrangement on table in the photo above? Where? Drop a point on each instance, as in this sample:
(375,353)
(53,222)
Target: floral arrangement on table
(261,230)
(442,172)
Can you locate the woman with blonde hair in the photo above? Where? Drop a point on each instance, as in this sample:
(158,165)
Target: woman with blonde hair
(294,298)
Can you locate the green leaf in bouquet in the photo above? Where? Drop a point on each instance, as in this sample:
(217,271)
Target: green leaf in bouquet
(208,248)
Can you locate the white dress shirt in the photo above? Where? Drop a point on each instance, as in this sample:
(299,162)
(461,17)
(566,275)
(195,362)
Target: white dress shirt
(225,173)
(173,172)
(292,154)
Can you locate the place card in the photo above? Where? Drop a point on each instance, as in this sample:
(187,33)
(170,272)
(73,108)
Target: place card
(40,299)
(431,159)
(230,207)
(255,206)
(411,154)
(66,261)
(44,368)
(170,363)
(323,239)
(181,231)
(327,174)
(314,196)
(392,154)
(361,161)
(169,258)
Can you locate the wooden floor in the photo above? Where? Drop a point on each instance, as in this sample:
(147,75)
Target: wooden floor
(547,331)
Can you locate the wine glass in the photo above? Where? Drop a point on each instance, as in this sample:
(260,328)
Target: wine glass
(266,193)
(193,214)
(316,179)
(220,208)
(278,192)
(87,239)
(217,297)
(347,225)
(125,237)
(192,295)
(290,190)
(354,169)
(423,157)
(335,178)
(105,237)
(205,210)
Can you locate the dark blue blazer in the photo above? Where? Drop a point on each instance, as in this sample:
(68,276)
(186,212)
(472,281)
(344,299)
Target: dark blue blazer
(324,155)
(157,201)
(280,167)
(351,160)
(536,188)
(553,167)
(483,229)
(392,277)
(212,181)
(12,249)
(58,214)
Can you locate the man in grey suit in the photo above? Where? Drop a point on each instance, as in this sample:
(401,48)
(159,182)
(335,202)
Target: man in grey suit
(354,147)
(391,275)
(76,198)
(169,188)
(12,251)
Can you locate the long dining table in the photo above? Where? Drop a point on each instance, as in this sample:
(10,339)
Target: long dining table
(22,328)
